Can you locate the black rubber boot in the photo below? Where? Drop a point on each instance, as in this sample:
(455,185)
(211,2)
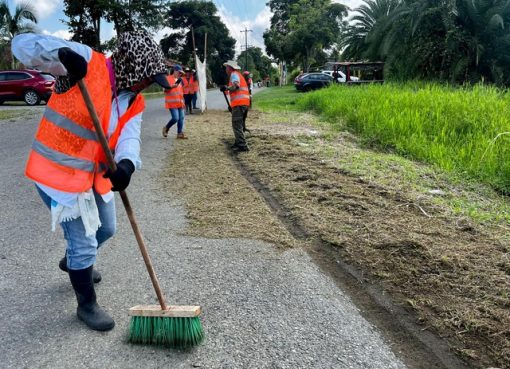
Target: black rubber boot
(88,310)
(96,276)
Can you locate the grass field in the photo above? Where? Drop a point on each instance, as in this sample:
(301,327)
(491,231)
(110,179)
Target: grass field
(460,130)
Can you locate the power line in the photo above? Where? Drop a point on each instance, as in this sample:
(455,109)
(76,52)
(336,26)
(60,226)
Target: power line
(246,30)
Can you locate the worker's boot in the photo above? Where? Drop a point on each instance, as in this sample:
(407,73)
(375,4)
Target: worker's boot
(165,130)
(88,310)
(182,136)
(96,276)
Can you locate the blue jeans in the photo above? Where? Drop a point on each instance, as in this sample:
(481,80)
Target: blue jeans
(194,100)
(177,117)
(82,250)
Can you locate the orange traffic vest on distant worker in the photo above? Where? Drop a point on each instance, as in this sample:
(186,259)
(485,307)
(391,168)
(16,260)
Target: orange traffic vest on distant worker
(195,85)
(241,96)
(174,98)
(66,154)
(187,85)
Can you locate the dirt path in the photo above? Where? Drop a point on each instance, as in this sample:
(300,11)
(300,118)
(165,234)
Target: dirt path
(444,275)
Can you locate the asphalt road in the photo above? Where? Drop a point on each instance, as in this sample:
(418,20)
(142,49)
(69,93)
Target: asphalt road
(262,307)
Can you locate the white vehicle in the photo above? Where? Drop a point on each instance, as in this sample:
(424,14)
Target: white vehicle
(342,77)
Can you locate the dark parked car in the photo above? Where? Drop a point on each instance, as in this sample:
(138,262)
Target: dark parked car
(26,85)
(312,81)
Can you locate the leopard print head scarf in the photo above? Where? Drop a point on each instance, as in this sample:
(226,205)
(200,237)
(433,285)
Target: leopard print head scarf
(137,57)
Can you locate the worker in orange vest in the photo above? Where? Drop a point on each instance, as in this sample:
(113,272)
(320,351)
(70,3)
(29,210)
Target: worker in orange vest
(174,101)
(249,82)
(187,86)
(195,89)
(239,101)
(66,161)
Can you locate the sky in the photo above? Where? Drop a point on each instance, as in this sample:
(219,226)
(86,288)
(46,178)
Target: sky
(237,15)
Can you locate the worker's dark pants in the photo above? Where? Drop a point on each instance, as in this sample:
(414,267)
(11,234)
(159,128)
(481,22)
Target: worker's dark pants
(188,98)
(239,114)
(245,115)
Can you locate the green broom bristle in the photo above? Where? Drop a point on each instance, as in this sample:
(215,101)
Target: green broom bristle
(166,331)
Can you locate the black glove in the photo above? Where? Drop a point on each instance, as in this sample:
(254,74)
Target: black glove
(223,88)
(121,177)
(179,80)
(75,64)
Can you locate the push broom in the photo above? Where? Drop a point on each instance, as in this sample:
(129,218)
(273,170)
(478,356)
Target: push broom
(173,326)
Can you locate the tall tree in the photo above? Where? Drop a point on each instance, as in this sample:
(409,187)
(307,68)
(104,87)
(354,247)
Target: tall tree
(258,63)
(85,17)
(22,20)
(84,20)
(302,29)
(453,40)
(314,26)
(274,37)
(203,18)
(363,38)
(128,15)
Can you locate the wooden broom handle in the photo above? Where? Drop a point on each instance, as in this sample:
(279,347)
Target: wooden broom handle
(127,205)
(226,98)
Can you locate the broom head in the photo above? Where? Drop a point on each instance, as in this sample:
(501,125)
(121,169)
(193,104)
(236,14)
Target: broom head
(178,326)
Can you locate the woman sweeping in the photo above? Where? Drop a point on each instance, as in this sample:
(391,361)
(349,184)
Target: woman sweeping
(66,160)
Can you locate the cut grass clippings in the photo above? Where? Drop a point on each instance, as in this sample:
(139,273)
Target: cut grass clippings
(435,242)
(220,202)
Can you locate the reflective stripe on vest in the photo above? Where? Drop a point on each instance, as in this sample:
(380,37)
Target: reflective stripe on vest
(63,159)
(241,96)
(174,98)
(69,125)
(65,153)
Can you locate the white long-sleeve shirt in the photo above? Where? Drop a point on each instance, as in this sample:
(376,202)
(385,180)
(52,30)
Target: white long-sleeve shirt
(41,52)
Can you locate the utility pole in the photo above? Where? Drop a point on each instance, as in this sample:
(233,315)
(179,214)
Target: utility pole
(246,46)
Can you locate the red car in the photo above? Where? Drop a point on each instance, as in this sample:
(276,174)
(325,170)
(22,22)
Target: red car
(26,85)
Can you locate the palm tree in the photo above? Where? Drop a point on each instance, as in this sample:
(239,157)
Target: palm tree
(21,21)
(370,25)
(484,40)
(455,40)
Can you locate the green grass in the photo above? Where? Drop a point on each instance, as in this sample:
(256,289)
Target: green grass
(276,98)
(13,114)
(461,130)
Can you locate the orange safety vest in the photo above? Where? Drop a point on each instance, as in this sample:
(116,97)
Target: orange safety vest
(241,96)
(195,85)
(66,154)
(104,185)
(187,85)
(174,98)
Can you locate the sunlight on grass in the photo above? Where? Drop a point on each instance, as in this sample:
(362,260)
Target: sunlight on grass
(466,162)
(277,98)
(461,130)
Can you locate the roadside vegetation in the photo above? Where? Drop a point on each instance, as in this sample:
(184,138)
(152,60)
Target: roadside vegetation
(460,130)
(435,236)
